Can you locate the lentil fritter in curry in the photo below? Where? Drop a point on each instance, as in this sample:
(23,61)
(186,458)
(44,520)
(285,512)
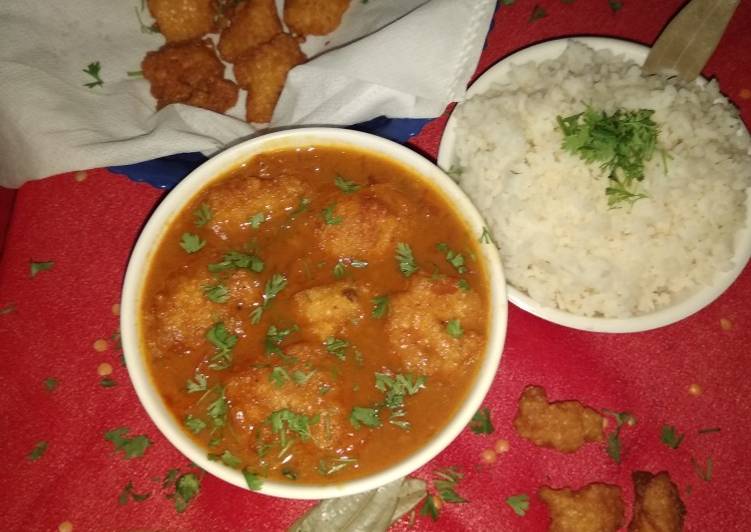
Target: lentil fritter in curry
(315,315)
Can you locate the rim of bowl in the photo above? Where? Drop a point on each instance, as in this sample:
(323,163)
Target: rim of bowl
(497,74)
(160,219)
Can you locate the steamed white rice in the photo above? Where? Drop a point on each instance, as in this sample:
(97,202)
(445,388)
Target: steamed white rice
(559,241)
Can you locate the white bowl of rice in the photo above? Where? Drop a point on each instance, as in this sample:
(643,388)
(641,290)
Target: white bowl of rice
(569,257)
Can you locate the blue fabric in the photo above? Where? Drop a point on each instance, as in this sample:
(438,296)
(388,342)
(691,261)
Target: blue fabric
(166,172)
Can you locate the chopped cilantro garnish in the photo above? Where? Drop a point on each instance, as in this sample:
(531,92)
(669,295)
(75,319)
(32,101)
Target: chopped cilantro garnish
(275,336)
(50,383)
(278,376)
(538,12)
(217,410)
(237,260)
(452,257)
(131,447)
(301,208)
(253,480)
(227,458)
(329,217)
(300,377)
(224,342)
(455,172)
(463,285)
(454,329)
(37,267)
(405,260)
(194,424)
(480,423)
(429,509)
(37,452)
(7,309)
(336,346)
(519,503)
(348,187)
(614,447)
(202,215)
(256,220)
(615,5)
(274,285)
(217,293)
(670,437)
(704,473)
(445,482)
(340,270)
(364,416)
(128,494)
(191,243)
(285,421)
(329,467)
(186,488)
(107,382)
(198,384)
(380,306)
(93,70)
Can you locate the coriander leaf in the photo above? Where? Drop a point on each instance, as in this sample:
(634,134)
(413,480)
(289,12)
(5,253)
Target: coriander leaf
(198,384)
(480,423)
(405,260)
(93,70)
(445,482)
(284,421)
(216,293)
(508,2)
(274,285)
(336,346)
(670,437)
(107,382)
(301,208)
(202,215)
(538,12)
(230,460)
(278,376)
(224,342)
(454,329)
(218,409)
(194,424)
(615,6)
(275,336)
(186,488)
(50,383)
(235,260)
(452,257)
(348,187)
(144,28)
(7,309)
(364,416)
(191,243)
(37,452)
(519,503)
(37,267)
(256,220)
(429,508)
(134,73)
(486,237)
(463,285)
(300,377)
(340,270)
(614,446)
(329,217)
(253,480)
(380,306)
(128,493)
(704,473)
(455,172)
(131,447)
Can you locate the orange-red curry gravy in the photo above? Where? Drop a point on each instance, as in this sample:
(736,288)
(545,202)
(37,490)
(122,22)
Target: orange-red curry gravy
(315,315)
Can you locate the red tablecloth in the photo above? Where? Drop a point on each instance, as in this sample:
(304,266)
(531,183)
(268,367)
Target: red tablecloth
(58,328)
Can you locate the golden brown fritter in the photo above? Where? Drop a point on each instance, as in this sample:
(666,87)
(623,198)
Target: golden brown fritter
(417,326)
(189,73)
(594,508)
(657,504)
(263,71)
(251,24)
(314,17)
(183,20)
(325,310)
(561,425)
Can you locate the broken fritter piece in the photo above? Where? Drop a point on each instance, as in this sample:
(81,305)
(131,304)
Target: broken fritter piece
(189,73)
(657,504)
(561,425)
(253,23)
(263,71)
(314,17)
(183,20)
(596,507)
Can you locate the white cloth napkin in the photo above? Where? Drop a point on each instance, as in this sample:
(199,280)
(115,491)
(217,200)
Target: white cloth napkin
(399,58)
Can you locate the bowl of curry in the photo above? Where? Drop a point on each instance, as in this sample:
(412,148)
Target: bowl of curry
(313,313)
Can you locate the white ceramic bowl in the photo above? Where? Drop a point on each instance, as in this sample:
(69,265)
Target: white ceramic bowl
(498,74)
(215,167)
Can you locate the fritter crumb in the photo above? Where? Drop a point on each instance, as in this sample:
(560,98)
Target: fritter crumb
(314,17)
(189,73)
(561,425)
(183,20)
(596,507)
(263,72)
(251,24)
(657,504)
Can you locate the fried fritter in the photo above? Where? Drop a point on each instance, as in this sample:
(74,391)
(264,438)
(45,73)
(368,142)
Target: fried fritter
(561,425)
(189,73)
(251,24)
(594,508)
(314,17)
(263,71)
(325,310)
(657,504)
(183,20)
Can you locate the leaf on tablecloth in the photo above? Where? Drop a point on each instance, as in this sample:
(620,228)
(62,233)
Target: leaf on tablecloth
(481,423)
(131,447)
(519,503)
(36,267)
(7,309)
(37,452)
(538,12)
(129,494)
(50,384)
(670,437)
